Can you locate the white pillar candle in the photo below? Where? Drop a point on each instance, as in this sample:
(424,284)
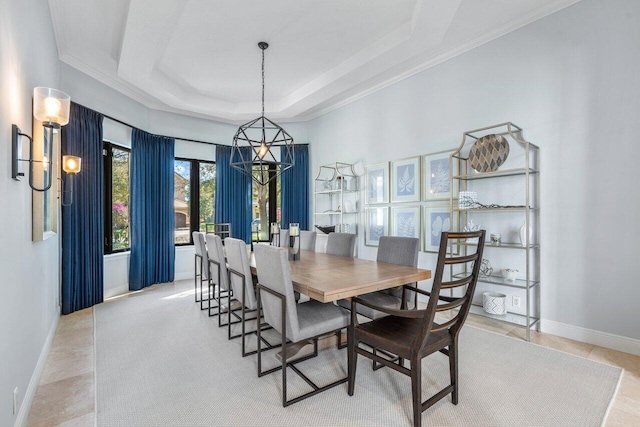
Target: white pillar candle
(294,229)
(275,229)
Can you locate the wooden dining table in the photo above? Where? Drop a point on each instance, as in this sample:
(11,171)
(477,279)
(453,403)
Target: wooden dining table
(328,278)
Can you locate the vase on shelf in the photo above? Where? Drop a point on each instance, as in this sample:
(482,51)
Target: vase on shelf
(523,234)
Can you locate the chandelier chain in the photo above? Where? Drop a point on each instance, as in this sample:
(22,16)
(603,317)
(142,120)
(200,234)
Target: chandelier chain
(262,82)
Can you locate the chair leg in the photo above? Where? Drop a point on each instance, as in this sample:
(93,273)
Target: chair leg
(352,359)
(453,370)
(416,390)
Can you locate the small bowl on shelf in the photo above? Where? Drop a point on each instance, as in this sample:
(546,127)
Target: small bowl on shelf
(509,274)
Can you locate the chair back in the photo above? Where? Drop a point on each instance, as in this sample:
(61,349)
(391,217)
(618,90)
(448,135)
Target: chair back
(308,240)
(272,264)
(399,251)
(216,253)
(462,303)
(201,251)
(283,241)
(238,262)
(341,244)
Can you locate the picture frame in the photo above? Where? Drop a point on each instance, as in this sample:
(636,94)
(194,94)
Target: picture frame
(405,221)
(405,180)
(436,220)
(437,171)
(377,183)
(376,225)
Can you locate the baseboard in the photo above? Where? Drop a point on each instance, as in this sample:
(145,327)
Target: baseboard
(602,339)
(183,276)
(30,393)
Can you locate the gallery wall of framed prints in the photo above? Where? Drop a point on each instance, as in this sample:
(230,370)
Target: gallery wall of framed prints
(409,197)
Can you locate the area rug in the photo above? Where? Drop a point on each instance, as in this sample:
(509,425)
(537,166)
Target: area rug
(160,361)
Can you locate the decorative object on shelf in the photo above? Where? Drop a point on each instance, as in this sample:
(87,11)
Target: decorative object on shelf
(485,268)
(405,180)
(328,185)
(436,220)
(488,153)
(51,107)
(376,225)
(467,199)
(437,170)
(377,183)
(326,229)
(523,234)
(509,274)
(494,303)
(261,135)
(343,228)
(405,221)
(340,183)
(294,241)
(469,227)
(275,234)
(496,238)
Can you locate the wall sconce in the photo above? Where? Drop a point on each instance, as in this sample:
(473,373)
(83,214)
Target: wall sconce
(51,107)
(71,165)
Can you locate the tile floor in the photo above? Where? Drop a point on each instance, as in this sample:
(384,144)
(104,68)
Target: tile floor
(66,394)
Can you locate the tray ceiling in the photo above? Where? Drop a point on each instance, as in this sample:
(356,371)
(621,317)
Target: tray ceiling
(200,57)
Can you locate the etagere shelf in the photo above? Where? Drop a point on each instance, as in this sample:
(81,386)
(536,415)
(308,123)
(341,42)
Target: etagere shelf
(336,194)
(510,206)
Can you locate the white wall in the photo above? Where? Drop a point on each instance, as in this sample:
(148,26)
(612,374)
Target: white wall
(571,80)
(29,270)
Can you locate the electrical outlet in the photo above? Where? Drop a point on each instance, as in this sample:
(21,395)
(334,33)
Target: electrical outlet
(515,302)
(15,401)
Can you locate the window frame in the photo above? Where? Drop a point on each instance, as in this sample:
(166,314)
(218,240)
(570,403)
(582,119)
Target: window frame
(194,207)
(107,159)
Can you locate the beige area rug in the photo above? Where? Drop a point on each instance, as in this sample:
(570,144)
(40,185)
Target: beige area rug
(160,361)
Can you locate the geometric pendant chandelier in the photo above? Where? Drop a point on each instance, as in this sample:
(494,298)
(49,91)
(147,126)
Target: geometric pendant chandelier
(262,136)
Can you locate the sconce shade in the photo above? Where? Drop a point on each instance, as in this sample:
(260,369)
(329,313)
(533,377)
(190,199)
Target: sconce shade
(51,105)
(71,164)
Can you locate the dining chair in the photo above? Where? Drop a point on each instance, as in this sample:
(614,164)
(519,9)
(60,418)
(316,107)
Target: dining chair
(294,322)
(201,267)
(413,334)
(308,240)
(220,280)
(282,239)
(243,286)
(341,244)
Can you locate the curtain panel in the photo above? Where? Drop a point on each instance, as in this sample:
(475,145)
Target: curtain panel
(294,184)
(152,220)
(233,194)
(83,221)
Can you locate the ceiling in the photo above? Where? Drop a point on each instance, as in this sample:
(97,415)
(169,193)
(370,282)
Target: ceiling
(200,57)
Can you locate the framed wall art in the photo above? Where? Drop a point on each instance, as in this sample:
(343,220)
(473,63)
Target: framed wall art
(377,183)
(436,220)
(376,225)
(405,180)
(405,221)
(437,171)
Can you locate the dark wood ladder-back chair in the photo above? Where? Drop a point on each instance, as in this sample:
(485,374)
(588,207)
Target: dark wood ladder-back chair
(413,334)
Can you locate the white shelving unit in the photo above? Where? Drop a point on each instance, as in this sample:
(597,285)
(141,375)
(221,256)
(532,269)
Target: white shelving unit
(510,199)
(336,197)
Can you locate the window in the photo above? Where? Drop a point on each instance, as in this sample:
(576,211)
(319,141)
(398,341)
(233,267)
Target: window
(116,198)
(193,198)
(265,203)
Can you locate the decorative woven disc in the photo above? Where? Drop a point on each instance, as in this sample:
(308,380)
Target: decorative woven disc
(488,153)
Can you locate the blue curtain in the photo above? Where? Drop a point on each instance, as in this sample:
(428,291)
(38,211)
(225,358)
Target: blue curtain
(294,185)
(83,221)
(233,194)
(151,217)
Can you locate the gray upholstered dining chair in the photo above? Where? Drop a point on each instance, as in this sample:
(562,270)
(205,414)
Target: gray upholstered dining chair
(219,278)
(392,250)
(201,267)
(341,244)
(308,240)
(283,240)
(243,286)
(294,322)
